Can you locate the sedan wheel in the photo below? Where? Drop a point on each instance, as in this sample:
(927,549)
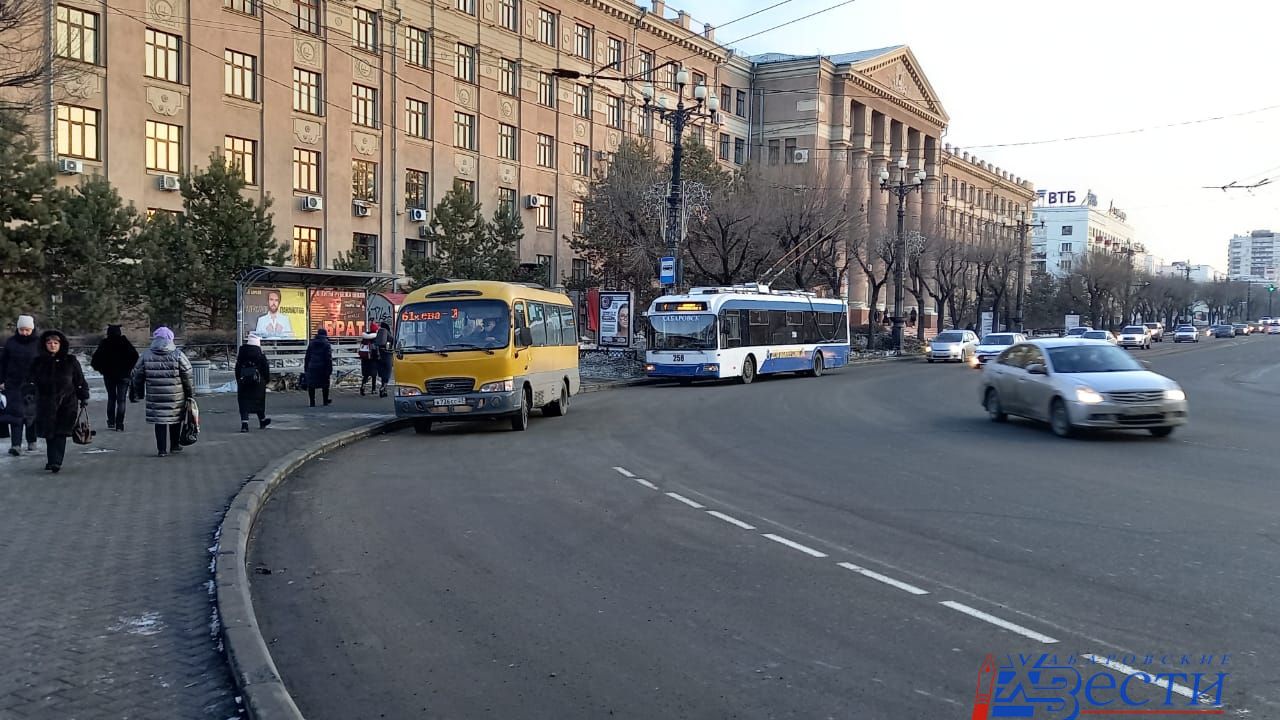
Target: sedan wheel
(994,410)
(1060,420)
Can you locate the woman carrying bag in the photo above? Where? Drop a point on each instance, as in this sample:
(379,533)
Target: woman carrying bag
(163,377)
(61,395)
(252,375)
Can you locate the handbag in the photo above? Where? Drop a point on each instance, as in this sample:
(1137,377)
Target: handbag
(249,375)
(190,431)
(82,434)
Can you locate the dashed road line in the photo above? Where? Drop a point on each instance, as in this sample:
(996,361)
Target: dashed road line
(884,579)
(645,483)
(686,501)
(730,519)
(624,472)
(795,545)
(998,622)
(1119,667)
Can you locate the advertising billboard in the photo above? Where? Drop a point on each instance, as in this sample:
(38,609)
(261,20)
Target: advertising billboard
(340,312)
(615,318)
(276,313)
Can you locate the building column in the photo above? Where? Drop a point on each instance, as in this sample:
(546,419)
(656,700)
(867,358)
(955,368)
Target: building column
(915,161)
(930,216)
(877,231)
(859,205)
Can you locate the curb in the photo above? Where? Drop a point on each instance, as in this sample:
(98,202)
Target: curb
(264,694)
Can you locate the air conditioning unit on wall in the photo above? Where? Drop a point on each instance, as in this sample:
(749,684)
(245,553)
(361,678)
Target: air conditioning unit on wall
(168,183)
(360,210)
(800,157)
(68,166)
(312,203)
(417,215)
(533,201)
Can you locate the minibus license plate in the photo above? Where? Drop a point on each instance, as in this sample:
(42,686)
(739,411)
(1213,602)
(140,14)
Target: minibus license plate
(450,401)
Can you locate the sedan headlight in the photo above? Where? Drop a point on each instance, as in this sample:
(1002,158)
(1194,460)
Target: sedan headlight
(500,386)
(407,391)
(1175,394)
(1088,396)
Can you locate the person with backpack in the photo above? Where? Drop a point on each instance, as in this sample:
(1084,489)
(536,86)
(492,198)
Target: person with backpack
(114,359)
(317,366)
(383,344)
(369,358)
(253,372)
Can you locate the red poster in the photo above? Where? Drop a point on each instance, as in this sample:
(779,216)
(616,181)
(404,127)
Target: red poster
(340,312)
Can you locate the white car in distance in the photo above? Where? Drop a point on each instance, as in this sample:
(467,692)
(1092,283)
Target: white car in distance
(995,343)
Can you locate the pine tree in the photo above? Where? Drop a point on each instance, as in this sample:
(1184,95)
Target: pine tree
(352,261)
(166,267)
(502,245)
(465,245)
(27,213)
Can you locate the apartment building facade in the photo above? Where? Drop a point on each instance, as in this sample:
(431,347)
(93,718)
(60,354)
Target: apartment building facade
(1253,256)
(1067,231)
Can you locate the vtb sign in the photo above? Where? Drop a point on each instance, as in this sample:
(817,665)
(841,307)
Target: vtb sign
(1063,197)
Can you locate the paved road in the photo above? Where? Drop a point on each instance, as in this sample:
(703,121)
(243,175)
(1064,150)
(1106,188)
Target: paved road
(577,570)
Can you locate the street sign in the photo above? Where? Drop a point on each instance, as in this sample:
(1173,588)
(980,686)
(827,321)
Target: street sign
(667,271)
(1072,321)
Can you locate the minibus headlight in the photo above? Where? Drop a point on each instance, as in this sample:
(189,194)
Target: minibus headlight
(407,391)
(500,386)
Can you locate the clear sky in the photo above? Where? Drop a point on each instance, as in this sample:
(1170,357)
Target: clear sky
(1013,71)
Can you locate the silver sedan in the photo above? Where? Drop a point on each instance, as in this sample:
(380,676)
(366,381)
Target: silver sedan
(1075,384)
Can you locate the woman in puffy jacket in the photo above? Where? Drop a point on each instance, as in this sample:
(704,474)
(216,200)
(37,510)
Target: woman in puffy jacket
(163,377)
(317,366)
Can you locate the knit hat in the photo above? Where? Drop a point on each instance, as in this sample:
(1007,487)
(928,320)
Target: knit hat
(373,327)
(323,332)
(254,340)
(163,332)
(26,321)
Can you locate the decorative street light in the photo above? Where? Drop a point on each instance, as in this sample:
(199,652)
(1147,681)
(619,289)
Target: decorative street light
(704,105)
(901,188)
(1023,226)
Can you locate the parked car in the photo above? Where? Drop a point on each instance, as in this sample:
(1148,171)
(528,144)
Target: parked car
(1106,335)
(1075,384)
(995,343)
(1186,333)
(1135,336)
(1156,330)
(1224,331)
(953,345)
(1077,331)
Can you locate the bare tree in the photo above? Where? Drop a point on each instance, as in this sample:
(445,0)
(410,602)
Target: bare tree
(948,265)
(805,216)
(27,62)
(1098,282)
(727,245)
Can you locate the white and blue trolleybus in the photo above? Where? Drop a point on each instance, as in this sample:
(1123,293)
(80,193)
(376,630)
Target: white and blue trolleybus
(744,331)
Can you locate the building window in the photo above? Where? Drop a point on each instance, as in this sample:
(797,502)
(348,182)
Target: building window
(163,53)
(646,65)
(546,151)
(579,217)
(724,146)
(508,142)
(239,70)
(582,101)
(617,52)
(507,199)
(306,16)
(788,151)
(464,67)
(508,77)
(740,103)
(365,245)
(1065,264)
(248,7)
(242,154)
(726,92)
(306,170)
(416,119)
(581,159)
(582,42)
(364,31)
(364,180)
(546,89)
(579,269)
(416,47)
(739,150)
(77,132)
(464,130)
(77,34)
(507,15)
(415,248)
(1064,247)
(468,186)
(164,147)
(466,6)
(1067,229)
(415,190)
(546,27)
(306,91)
(615,114)
(306,246)
(774,150)
(364,106)
(545,214)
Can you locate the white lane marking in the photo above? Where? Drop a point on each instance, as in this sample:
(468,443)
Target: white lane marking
(731,520)
(685,500)
(883,578)
(997,621)
(645,483)
(1182,690)
(624,472)
(795,545)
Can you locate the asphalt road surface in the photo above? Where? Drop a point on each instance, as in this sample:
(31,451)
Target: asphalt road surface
(851,546)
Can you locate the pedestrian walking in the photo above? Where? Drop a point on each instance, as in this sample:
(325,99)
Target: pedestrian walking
(317,365)
(114,360)
(163,377)
(369,358)
(15,363)
(252,375)
(382,341)
(60,392)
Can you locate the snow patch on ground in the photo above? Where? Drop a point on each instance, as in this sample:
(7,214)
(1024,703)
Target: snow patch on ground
(148,623)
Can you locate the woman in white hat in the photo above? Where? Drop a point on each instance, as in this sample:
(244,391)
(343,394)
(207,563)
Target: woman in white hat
(15,362)
(252,375)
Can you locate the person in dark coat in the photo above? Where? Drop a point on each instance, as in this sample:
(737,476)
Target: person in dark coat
(114,359)
(369,357)
(15,362)
(163,377)
(253,373)
(317,365)
(382,341)
(60,391)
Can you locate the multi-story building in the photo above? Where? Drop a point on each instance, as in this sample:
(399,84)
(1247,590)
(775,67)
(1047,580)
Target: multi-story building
(1253,257)
(1068,226)
(1194,273)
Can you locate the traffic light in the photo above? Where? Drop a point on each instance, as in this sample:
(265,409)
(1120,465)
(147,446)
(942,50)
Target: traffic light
(1271,287)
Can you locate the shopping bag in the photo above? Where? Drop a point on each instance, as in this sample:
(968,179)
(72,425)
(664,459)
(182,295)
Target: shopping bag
(190,431)
(82,433)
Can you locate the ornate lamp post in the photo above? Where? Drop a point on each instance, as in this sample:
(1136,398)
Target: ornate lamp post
(901,188)
(1023,226)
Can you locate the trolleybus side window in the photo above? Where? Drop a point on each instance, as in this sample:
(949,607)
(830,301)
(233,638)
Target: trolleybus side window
(730,328)
(759,328)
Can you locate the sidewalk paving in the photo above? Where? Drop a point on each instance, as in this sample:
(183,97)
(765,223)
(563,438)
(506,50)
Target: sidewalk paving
(107,608)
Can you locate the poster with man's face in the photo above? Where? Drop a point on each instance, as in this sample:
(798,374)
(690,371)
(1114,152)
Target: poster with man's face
(276,313)
(615,319)
(340,312)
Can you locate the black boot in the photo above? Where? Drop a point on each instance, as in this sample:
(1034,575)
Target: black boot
(244,426)
(263,423)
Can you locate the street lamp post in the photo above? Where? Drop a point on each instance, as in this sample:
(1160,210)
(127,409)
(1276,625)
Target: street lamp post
(678,116)
(1023,226)
(901,189)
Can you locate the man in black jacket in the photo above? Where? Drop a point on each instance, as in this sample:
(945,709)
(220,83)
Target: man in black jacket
(114,359)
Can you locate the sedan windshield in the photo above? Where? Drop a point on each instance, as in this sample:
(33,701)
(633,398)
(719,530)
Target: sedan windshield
(1096,335)
(1092,359)
(949,337)
(454,325)
(1077,331)
(683,332)
(1001,339)
(1134,330)
(1186,328)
